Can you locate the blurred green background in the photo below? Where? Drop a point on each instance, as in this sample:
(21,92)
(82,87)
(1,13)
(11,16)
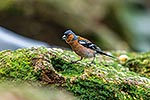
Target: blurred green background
(111,24)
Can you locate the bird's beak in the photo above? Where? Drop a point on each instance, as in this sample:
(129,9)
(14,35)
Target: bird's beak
(64,37)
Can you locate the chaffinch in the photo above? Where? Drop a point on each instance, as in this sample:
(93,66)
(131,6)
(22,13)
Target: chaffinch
(82,47)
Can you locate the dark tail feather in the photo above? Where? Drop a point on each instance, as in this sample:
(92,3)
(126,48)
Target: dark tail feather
(103,53)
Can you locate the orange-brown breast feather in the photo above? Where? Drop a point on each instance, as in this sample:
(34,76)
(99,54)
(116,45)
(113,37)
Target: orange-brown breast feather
(70,38)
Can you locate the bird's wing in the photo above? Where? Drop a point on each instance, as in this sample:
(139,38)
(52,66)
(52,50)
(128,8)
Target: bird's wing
(88,44)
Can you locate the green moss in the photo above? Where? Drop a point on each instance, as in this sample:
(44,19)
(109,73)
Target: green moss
(140,64)
(66,68)
(18,64)
(109,80)
(106,79)
(98,90)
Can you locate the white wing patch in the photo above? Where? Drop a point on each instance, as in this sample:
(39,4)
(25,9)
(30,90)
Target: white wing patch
(82,42)
(91,45)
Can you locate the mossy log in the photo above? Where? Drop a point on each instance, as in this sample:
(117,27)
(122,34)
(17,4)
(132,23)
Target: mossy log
(106,79)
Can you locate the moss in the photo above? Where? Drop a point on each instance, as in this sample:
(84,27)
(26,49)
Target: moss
(109,80)
(140,64)
(106,79)
(90,89)
(18,64)
(66,68)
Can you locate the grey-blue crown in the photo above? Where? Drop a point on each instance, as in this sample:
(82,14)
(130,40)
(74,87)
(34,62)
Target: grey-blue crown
(68,32)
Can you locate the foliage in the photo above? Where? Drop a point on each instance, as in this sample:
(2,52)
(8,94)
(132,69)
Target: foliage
(106,23)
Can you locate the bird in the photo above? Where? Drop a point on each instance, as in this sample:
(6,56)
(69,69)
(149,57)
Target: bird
(82,46)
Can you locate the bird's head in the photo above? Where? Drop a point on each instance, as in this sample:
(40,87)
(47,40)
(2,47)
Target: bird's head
(69,34)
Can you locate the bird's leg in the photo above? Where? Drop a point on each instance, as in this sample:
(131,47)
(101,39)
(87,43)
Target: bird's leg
(77,60)
(93,60)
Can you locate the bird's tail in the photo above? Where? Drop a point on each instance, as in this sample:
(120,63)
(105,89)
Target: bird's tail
(103,53)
